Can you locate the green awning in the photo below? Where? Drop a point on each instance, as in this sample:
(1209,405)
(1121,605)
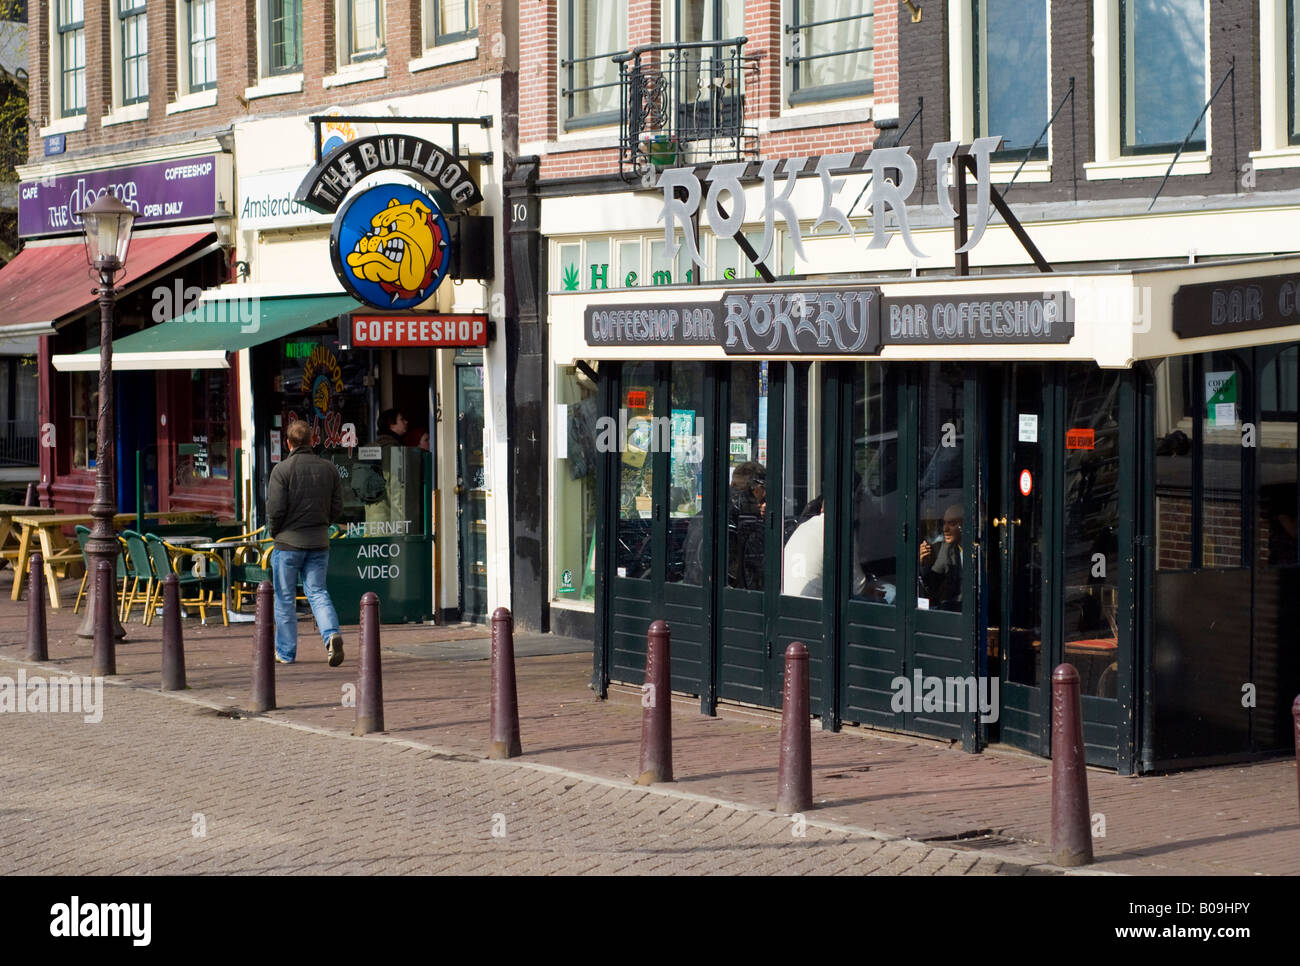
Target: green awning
(201,338)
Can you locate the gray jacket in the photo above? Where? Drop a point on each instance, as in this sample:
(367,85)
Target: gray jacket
(304,496)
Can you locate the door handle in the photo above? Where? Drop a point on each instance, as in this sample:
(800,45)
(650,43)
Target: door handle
(1003,522)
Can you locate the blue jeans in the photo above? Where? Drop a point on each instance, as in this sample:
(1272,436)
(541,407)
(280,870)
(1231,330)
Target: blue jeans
(285,567)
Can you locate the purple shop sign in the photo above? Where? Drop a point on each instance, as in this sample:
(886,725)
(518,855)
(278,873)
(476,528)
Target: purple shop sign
(161,191)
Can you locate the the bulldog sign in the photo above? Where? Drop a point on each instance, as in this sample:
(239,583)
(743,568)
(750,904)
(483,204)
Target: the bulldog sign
(390,244)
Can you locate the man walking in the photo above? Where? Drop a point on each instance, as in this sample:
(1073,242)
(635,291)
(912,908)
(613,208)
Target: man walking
(304,495)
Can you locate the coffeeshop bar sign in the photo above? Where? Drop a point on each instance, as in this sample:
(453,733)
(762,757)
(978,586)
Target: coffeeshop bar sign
(834,321)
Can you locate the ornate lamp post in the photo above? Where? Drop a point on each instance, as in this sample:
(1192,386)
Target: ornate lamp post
(107,224)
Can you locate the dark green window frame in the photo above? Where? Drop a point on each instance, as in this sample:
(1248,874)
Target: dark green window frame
(284,36)
(135,66)
(795,59)
(440,36)
(72,79)
(355,56)
(202,44)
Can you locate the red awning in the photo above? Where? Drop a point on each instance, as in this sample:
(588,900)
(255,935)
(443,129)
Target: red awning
(45,283)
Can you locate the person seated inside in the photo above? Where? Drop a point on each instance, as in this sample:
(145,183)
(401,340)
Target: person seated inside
(941,563)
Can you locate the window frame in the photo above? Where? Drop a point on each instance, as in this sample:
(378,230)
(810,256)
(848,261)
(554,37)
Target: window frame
(133,18)
(1165,148)
(210,67)
(979,95)
(67,32)
(1288,41)
(269,46)
(350,55)
(567,66)
(434,37)
(827,92)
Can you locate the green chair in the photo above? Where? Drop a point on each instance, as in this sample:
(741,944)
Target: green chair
(207,588)
(123,569)
(140,568)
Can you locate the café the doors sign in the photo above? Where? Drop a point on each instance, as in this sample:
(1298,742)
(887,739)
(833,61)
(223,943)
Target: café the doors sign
(390,244)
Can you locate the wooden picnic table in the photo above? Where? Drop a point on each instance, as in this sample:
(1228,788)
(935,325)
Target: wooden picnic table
(57,551)
(10,534)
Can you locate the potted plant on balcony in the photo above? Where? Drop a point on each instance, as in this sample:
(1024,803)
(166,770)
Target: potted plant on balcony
(659,147)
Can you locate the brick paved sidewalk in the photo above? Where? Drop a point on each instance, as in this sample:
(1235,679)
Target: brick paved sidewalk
(1227,820)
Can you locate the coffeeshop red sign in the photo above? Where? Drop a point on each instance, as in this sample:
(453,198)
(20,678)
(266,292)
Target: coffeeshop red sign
(421,330)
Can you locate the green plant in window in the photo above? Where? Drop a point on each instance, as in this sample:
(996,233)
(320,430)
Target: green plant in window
(571,278)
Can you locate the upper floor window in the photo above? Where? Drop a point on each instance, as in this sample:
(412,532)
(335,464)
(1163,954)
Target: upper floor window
(1010,73)
(1163,81)
(135,51)
(1292,77)
(708,20)
(451,20)
(283,36)
(597,29)
(70,25)
(831,48)
(201,31)
(362,26)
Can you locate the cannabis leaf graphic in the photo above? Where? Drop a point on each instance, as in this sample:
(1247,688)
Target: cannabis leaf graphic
(571,278)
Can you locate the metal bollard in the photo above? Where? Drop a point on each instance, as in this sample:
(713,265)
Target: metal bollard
(104,659)
(656,700)
(37,636)
(1295,716)
(794,779)
(173,644)
(263,697)
(30,499)
(503,710)
(1071,819)
(370,684)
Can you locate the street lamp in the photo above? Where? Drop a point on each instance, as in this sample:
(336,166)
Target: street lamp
(107,225)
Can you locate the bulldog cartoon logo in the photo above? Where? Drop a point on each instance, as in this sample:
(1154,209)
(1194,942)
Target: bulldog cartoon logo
(391,244)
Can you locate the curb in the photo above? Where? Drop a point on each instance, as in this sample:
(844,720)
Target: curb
(1030,867)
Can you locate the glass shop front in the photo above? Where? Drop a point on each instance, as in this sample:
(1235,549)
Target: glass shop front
(942,534)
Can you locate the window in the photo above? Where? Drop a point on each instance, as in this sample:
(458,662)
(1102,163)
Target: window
(135,51)
(597,31)
(575,486)
(451,20)
(201,29)
(205,454)
(831,44)
(1163,80)
(83,412)
(1292,86)
(876,501)
(1011,74)
(362,24)
(70,23)
(284,36)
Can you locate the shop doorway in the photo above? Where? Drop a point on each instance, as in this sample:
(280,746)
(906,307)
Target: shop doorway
(471,490)
(908,560)
(1054,530)
(658,423)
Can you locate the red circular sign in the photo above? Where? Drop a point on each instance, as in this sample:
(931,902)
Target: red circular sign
(1026,482)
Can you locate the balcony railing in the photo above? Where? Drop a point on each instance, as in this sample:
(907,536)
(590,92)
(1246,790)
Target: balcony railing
(684,104)
(18,443)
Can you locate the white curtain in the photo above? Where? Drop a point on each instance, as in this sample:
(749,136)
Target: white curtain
(849,35)
(599,28)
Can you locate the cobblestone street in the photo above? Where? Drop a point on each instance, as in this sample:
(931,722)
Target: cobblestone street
(168,786)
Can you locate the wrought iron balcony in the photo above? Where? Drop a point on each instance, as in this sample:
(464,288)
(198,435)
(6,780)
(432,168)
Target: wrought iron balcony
(684,104)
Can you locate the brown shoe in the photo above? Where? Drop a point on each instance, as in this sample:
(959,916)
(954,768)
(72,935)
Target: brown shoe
(335,650)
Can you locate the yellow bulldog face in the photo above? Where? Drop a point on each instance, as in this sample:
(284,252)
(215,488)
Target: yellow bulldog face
(400,251)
